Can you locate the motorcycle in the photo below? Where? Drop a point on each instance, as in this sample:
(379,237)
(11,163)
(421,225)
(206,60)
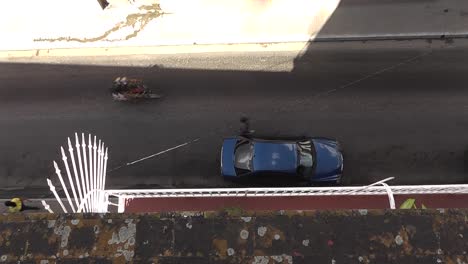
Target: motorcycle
(124,89)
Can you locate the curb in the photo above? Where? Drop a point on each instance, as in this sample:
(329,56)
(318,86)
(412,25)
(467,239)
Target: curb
(432,36)
(216,48)
(155,50)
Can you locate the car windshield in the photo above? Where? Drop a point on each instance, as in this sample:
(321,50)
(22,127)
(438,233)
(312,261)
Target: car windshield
(243,157)
(304,149)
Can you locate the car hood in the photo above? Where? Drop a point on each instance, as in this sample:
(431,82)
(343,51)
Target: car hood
(227,157)
(275,157)
(329,160)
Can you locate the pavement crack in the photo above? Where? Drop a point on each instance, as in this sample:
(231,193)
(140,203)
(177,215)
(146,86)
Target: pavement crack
(359,80)
(404,62)
(136,21)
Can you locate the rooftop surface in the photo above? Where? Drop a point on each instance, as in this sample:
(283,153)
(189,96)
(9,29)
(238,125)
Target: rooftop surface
(236,236)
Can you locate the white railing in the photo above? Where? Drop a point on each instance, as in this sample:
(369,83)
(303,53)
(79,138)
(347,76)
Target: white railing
(293,191)
(88,185)
(372,189)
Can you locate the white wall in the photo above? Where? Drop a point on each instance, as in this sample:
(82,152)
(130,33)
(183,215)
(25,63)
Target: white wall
(225,21)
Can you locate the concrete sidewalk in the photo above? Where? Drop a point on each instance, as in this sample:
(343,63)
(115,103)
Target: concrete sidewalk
(78,24)
(54,205)
(61,24)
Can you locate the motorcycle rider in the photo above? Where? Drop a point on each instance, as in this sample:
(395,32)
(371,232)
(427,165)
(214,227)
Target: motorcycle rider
(245,127)
(124,89)
(122,85)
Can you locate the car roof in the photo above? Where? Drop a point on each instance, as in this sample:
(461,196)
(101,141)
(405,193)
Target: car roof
(275,156)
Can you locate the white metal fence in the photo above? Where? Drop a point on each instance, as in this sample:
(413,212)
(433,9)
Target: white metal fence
(87,180)
(378,188)
(300,191)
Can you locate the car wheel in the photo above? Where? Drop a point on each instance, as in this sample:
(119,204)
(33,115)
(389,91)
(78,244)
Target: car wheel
(302,175)
(339,146)
(339,181)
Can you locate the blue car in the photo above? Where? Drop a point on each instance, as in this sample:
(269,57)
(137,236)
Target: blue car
(316,160)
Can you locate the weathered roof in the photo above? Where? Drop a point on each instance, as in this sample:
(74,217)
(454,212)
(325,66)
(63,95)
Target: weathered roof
(234,236)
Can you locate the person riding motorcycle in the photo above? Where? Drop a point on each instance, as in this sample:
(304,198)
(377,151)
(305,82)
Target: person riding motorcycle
(125,89)
(123,85)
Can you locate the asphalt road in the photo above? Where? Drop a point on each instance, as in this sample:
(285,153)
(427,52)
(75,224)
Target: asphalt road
(400,110)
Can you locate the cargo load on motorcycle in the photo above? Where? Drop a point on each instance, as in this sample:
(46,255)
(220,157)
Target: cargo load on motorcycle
(124,89)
